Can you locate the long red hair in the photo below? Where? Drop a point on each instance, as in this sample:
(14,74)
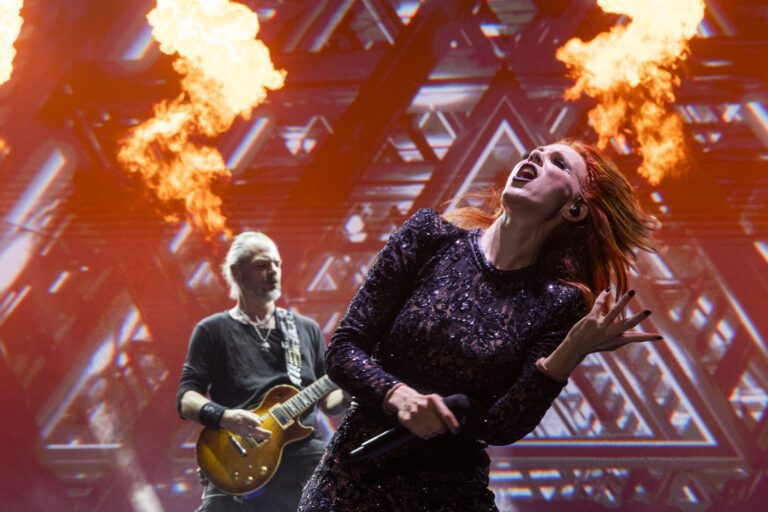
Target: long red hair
(595,252)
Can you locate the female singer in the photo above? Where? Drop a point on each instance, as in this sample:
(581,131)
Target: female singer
(500,307)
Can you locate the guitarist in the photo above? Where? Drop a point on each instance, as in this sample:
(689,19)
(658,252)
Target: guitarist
(236,356)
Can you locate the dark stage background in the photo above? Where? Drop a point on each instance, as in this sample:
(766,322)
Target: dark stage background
(388,106)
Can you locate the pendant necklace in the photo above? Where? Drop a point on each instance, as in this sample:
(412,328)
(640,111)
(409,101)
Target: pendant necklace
(263,339)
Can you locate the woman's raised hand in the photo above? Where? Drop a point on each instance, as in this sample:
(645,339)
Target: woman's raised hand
(600,333)
(597,332)
(424,415)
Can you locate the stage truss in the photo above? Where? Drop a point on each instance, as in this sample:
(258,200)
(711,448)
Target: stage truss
(389,106)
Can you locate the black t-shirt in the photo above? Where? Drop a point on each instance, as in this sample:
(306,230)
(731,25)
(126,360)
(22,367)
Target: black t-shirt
(226,361)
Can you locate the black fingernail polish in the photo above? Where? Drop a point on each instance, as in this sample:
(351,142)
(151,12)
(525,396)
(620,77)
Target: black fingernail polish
(631,293)
(659,338)
(647,312)
(607,289)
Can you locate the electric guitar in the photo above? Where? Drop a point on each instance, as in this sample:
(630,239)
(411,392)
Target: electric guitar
(241,465)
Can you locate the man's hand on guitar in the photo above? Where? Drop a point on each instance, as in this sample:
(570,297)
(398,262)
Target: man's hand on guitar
(245,424)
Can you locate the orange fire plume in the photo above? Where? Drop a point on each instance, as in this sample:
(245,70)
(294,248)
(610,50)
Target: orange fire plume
(226,72)
(631,72)
(10,27)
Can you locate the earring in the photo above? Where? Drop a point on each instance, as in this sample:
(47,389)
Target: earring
(576,208)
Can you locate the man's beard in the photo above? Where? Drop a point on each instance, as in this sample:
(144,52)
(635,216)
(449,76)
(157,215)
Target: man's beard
(266,296)
(272,295)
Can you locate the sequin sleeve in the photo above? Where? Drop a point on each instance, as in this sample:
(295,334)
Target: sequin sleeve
(516,413)
(375,306)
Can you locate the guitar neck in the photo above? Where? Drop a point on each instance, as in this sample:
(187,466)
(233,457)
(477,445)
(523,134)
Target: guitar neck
(298,404)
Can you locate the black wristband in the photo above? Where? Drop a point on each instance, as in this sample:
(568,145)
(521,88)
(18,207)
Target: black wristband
(210,415)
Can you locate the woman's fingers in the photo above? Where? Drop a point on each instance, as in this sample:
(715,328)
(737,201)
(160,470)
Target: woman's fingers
(428,416)
(633,321)
(599,333)
(446,416)
(617,308)
(427,424)
(628,338)
(597,308)
(635,337)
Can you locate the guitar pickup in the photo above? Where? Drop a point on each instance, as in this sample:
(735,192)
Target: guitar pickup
(255,443)
(239,447)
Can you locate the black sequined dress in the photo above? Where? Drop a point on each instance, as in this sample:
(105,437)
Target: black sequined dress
(435,314)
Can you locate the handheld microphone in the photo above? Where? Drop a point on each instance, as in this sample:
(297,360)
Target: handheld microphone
(460,405)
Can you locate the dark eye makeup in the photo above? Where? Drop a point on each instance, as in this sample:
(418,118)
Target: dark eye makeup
(560,162)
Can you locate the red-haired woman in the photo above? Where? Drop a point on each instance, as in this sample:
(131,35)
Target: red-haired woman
(500,307)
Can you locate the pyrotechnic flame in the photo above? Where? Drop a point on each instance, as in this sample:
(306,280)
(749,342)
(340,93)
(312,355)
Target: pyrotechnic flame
(226,72)
(630,71)
(10,27)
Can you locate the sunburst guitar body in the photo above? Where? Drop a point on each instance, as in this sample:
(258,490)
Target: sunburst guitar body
(239,465)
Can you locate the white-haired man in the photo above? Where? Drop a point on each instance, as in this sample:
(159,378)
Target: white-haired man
(236,356)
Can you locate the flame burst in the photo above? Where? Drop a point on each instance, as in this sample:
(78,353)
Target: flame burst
(226,72)
(10,27)
(630,71)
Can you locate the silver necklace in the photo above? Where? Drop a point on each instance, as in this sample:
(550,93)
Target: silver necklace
(263,339)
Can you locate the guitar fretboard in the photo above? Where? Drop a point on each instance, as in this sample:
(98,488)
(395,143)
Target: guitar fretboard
(298,404)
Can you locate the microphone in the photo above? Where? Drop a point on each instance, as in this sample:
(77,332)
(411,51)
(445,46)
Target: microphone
(460,405)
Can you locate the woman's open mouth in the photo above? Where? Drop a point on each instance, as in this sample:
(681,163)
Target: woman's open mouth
(526,172)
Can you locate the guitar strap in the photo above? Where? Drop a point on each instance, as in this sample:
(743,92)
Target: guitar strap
(287,322)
